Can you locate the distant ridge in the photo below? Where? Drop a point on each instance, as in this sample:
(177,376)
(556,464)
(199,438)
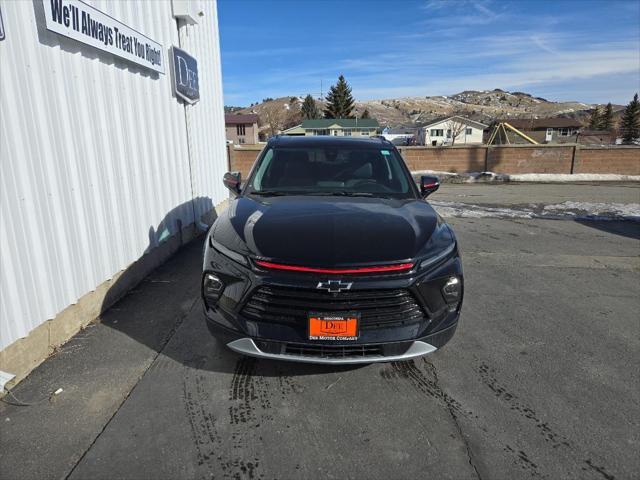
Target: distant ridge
(483,106)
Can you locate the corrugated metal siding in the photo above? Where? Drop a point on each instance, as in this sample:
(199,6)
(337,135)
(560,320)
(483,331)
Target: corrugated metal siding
(94,156)
(206,140)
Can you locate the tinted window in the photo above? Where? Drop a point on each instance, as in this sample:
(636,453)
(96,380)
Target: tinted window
(327,170)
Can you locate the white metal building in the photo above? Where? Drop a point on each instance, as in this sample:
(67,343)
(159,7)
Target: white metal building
(101,162)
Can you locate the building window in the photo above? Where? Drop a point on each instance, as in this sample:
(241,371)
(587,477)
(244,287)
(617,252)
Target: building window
(240,140)
(468,131)
(565,132)
(449,133)
(437,132)
(240,129)
(346,132)
(364,132)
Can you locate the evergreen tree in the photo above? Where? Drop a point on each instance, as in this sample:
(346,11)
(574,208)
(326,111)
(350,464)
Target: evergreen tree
(630,124)
(606,122)
(595,119)
(339,100)
(366,113)
(309,109)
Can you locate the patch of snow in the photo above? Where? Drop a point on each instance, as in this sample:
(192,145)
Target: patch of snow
(561,211)
(463,210)
(596,209)
(575,177)
(470,177)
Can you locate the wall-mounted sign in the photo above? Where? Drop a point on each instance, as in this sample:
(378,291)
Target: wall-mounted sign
(185,75)
(1,27)
(75,19)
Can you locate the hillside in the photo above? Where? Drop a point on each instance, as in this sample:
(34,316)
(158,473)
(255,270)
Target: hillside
(484,106)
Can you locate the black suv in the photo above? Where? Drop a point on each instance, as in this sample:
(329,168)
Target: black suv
(329,254)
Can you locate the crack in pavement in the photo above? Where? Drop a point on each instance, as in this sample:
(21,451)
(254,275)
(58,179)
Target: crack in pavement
(163,345)
(455,421)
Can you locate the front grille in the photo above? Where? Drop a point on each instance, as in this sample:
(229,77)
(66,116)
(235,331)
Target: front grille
(321,351)
(291,306)
(331,351)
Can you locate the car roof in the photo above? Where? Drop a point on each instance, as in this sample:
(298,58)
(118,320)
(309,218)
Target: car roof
(325,141)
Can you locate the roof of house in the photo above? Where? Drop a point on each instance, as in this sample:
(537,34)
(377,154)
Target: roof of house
(401,130)
(293,129)
(342,122)
(465,120)
(533,123)
(235,119)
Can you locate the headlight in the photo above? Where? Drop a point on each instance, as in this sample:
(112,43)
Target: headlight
(439,256)
(236,257)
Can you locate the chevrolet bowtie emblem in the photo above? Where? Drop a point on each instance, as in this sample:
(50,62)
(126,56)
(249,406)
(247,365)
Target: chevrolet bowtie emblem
(334,286)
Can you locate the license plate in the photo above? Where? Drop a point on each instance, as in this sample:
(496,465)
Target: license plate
(332,326)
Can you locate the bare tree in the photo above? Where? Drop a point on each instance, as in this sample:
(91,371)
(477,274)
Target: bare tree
(455,126)
(274,116)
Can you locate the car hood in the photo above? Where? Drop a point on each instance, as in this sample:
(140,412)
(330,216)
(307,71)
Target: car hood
(322,231)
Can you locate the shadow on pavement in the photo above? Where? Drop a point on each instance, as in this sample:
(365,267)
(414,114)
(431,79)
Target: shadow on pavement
(628,229)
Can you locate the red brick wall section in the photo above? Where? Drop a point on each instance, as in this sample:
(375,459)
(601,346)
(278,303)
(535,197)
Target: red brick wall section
(530,159)
(620,160)
(500,159)
(445,159)
(242,159)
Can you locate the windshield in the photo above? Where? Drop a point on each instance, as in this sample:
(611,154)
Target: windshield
(331,171)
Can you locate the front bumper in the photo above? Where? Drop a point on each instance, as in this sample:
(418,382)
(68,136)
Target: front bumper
(247,346)
(233,318)
(313,353)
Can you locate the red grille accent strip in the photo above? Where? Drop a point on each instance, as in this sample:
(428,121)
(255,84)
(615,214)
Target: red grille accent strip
(294,268)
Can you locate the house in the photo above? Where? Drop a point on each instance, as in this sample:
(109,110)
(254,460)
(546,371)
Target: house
(241,128)
(340,127)
(294,131)
(454,130)
(402,135)
(596,137)
(548,130)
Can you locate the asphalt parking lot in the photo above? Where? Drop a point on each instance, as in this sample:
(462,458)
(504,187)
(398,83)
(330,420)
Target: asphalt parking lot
(540,381)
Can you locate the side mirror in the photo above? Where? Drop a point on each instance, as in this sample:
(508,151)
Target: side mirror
(428,185)
(231,180)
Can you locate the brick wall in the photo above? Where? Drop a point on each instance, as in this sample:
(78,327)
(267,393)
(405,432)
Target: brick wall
(529,159)
(621,160)
(445,159)
(241,158)
(624,160)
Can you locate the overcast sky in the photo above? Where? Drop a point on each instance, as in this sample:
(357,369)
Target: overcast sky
(580,50)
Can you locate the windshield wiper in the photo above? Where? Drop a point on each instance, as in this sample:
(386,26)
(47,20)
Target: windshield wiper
(340,193)
(272,193)
(358,194)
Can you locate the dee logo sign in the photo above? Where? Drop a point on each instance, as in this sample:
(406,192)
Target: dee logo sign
(185,75)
